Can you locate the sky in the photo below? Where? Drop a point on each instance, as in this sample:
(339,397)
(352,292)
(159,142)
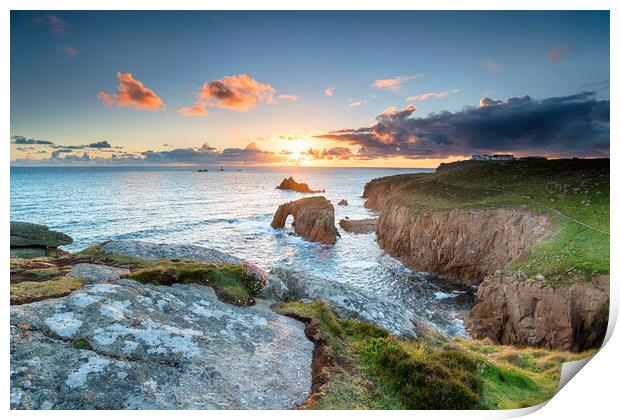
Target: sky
(393,89)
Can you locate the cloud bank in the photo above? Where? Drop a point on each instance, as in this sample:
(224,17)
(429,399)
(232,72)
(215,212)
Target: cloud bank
(575,125)
(131,93)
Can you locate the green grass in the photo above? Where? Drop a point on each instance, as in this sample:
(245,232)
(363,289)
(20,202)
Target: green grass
(31,291)
(362,367)
(237,284)
(570,248)
(233,283)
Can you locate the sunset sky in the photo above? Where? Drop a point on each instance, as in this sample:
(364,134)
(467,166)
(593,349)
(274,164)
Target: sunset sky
(400,89)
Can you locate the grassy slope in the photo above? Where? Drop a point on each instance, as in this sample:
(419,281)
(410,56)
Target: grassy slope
(572,248)
(363,367)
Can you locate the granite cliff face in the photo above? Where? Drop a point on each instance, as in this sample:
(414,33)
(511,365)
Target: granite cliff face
(476,244)
(510,309)
(313,219)
(461,244)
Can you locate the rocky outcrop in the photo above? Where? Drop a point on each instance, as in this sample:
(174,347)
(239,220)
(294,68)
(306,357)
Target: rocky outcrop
(32,240)
(155,251)
(313,219)
(127,345)
(343,202)
(377,191)
(348,301)
(512,310)
(290,184)
(96,273)
(461,244)
(359,226)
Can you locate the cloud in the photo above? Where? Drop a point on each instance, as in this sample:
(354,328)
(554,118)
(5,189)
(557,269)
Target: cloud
(237,93)
(429,95)
(193,111)
(288,97)
(132,93)
(24,140)
(492,66)
(201,155)
(394,83)
(103,144)
(352,103)
(575,125)
(556,52)
(342,153)
(68,50)
(329,91)
(53,22)
(486,101)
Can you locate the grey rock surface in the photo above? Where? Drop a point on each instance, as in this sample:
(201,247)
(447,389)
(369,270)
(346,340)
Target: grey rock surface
(25,234)
(96,273)
(155,347)
(155,251)
(348,301)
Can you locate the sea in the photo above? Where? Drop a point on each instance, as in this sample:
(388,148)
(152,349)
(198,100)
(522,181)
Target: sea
(231,210)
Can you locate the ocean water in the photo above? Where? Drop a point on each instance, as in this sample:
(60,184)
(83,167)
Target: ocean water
(231,211)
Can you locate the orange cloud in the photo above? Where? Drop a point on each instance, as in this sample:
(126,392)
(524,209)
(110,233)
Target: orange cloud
(132,93)
(288,97)
(556,52)
(329,91)
(237,93)
(68,50)
(429,95)
(193,111)
(394,83)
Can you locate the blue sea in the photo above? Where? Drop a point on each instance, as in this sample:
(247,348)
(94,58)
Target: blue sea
(231,211)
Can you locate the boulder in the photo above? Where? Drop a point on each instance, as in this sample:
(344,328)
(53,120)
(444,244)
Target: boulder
(348,301)
(127,345)
(155,251)
(24,234)
(96,273)
(343,202)
(290,184)
(313,219)
(359,226)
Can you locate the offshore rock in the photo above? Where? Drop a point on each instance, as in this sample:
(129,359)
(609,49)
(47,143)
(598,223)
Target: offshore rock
(127,345)
(313,219)
(290,184)
(359,226)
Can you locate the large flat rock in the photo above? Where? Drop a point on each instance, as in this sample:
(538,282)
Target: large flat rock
(155,347)
(25,234)
(155,251)
(348,301)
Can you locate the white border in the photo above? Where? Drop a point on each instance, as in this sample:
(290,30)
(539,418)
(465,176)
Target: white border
(592,395)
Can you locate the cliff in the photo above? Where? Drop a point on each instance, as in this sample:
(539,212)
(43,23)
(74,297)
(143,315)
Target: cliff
(491,224)
(511,309)
(461,244)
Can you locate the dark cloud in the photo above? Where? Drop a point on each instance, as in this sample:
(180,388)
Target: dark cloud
(575,125)
(103,144)
(24,140)
(343,153)
(206,154)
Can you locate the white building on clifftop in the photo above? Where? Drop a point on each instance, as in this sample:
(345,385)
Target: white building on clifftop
(492,157)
